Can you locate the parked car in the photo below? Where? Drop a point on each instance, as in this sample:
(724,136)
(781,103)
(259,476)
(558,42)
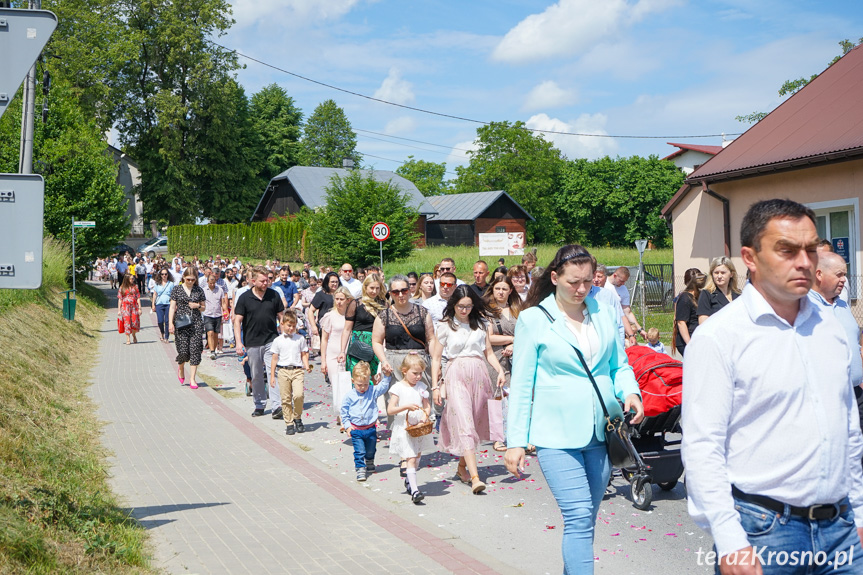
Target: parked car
(121,249)
(154,246)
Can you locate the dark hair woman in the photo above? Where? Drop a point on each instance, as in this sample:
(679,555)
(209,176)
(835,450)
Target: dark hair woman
(686,308)
(129,308)
(552,403)
(187,300)
(466,387)
(322,302)
(161,300)
(504,304)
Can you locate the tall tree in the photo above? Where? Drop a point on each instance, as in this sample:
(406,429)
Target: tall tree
(328,138)
(426,176)
(791,87)
(80,174)
(230,155)
(278,122)
(526,166)
(173,72)
(354,204)
(616,201)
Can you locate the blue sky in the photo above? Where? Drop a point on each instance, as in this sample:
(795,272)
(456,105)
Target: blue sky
(610,67)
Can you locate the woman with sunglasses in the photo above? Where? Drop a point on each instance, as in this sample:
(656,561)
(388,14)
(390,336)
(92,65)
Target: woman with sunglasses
(360,319)
(188,300)
(464,341)
(161,300)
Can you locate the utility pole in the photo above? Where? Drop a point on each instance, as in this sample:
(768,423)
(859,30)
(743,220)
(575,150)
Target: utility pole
(25,163)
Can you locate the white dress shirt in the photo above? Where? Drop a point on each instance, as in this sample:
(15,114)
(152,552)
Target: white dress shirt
(354,286)
(436,305)
(767,407)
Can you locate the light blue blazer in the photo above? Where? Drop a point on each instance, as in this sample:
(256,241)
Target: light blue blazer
(566,411)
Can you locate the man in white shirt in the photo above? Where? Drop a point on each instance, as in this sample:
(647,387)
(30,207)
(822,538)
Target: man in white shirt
(347,278)
(177,273)
(447,265)
(437,303)
(617,284)
(772,443)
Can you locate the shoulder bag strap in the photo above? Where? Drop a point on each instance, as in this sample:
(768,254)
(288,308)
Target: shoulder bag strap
(395,312)
(587,369)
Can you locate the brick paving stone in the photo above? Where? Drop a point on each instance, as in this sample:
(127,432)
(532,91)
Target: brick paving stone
(219,493)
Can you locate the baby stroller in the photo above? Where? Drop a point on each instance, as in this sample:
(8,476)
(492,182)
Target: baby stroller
(660,379)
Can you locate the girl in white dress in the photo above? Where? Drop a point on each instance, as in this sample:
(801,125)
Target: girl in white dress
(409,403)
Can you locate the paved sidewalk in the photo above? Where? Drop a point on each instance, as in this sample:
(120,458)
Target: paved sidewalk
(221,493)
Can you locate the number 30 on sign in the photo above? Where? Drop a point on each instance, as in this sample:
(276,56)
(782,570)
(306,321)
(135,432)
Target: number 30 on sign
(380,231)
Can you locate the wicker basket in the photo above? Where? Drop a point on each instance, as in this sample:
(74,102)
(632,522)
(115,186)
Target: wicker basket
(419,429)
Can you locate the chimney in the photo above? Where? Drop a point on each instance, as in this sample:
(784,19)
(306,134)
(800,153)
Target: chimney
(348,164)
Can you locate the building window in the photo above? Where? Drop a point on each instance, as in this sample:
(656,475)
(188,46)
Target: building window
(837,221)
(500,229)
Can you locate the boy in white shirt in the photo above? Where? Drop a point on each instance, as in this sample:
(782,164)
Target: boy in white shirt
(290,361)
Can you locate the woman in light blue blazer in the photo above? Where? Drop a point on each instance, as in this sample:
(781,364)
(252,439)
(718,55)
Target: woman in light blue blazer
(564,420)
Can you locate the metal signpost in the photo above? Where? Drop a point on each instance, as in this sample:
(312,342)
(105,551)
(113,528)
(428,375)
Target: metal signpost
(641,245)
(23,35)
(380,232)
(69,304)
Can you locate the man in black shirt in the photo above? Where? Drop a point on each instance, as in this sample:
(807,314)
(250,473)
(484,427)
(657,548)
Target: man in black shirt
(256,315)
(480,276)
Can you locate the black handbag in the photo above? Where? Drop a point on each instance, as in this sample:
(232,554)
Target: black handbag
(361,350)
(182,320)
(621,452)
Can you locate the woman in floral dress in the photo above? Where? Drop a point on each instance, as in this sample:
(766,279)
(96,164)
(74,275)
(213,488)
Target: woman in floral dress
(129,308)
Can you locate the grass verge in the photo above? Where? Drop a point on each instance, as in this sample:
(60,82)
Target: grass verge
(57,513)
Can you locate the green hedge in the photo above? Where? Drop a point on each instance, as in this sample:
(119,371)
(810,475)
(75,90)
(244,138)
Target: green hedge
(283,239)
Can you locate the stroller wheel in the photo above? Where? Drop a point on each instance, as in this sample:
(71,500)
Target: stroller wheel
(668,485)
(641,492)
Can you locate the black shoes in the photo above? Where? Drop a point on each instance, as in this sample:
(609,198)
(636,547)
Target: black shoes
(417,496)
(298,423)
(370,466)
(277,413)
(258,412)
(289,430)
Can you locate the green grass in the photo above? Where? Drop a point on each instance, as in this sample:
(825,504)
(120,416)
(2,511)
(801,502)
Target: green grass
(57,513)
(424,260)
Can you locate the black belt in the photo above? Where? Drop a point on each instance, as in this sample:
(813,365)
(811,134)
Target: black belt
(290,367)
(813,512)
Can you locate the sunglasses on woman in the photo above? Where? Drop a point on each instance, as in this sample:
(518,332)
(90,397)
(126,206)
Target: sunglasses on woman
(399,291)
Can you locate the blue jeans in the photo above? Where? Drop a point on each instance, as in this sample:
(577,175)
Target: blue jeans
(577,479)
(365,444)
(790,545)
(162,318)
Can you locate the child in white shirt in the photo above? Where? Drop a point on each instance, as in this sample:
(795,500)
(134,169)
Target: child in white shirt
(653,340)
(290,362)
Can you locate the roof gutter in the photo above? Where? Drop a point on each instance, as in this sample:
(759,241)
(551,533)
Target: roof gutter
(726,215)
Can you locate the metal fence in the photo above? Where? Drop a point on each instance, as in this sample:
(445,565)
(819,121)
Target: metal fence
(660,287)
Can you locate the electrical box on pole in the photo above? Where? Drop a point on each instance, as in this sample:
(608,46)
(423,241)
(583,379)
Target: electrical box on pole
(23,35)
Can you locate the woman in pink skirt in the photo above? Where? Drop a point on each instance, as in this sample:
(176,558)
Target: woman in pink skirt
(466,387)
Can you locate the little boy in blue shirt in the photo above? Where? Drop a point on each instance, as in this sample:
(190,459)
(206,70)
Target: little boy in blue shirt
(359,413)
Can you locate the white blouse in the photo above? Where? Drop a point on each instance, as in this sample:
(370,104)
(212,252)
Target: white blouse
(463,342)
(588,339)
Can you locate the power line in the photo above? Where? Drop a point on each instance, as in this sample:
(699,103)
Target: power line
(398,162)
(407,145)
(417,141)
(453,117)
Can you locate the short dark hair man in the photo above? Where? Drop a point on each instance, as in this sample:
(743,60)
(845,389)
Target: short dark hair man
(772,447)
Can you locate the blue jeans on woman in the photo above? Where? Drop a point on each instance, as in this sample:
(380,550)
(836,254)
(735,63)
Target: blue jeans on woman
(577,479)
(162,318)
(794,545)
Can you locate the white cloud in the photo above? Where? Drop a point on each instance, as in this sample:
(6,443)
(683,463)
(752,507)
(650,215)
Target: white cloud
(395,89)
(248,12)
(458,155)
(548,95)
(571,27)
(576,146)
(401,125)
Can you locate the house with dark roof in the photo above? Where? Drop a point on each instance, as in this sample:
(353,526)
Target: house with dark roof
(689,157)
(307,186)
(460,218)
(809,149)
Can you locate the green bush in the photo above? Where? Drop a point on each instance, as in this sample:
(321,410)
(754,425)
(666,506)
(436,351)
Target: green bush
(282,238)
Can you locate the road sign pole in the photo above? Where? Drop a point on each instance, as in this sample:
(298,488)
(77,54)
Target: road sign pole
(382,256)
(73,253)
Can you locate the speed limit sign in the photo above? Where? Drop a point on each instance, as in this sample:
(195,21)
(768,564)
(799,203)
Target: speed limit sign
(380,231)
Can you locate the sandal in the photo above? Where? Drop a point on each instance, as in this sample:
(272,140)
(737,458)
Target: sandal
(478,487)
(459,477)
(499,446)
